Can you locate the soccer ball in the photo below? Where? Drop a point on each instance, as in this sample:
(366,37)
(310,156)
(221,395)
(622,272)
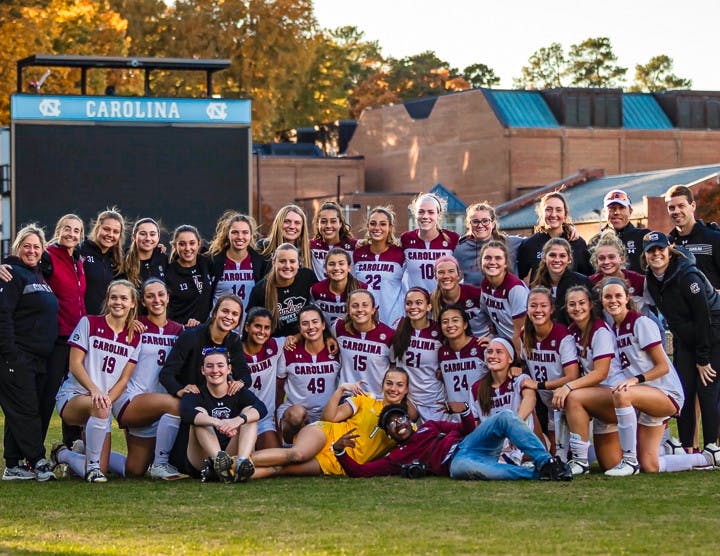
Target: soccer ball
(673,446)
(712,453)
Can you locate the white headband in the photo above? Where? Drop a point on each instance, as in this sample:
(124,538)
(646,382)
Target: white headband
(507,345)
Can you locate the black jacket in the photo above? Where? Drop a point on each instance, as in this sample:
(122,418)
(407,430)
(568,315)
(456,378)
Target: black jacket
(703,242)
(28,314)
(190,291)
(632,238)
(217,265)
(530,253)
(183,364)
(568,280)
(100,270)
(690,304)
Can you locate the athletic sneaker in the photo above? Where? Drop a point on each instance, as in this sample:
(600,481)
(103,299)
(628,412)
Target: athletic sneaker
(17,473)
(712,454)
(57,447)
(243,469)
(78,446)
(166,472)
(673,446)
(555,469)
(579,467)
(222,465)
(94,475)
(624,469)
(44,471)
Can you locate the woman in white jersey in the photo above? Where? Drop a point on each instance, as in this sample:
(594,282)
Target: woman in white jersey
(307,375)
(504,295)
(364,343)
(415,346)
(427,242)
(380,263)
(460,360)
(551,358)
(650,392)
(235,264)
(331,293)
(590,395)
(332,231)
(103,353)
(145,400)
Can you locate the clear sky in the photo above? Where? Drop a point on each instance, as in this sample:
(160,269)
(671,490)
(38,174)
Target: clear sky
(503,34)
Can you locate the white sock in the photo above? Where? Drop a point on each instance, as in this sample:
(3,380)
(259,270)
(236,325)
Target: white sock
(666,435)
(681,462)
(627,430)
(167,431)
(579,447)
(95,430)
(562,434)
(74,461)
(117,463)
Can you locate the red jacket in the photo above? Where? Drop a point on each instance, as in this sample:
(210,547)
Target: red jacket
(67,281)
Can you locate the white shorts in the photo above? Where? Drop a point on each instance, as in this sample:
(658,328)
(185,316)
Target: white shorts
(119,405)
(312,414)
(266,424)
(546,397)
(63,397)
(601,427)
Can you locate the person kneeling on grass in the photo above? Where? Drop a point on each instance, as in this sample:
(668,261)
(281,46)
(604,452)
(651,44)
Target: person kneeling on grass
(221,428)
(457,450)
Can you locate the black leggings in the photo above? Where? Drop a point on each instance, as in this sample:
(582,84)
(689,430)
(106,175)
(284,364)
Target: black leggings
(684,359)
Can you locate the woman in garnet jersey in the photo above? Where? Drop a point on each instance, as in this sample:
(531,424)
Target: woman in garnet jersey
(380,263)
(415,346)
(460,360)
(450,290)
(427,243)
(331,293)
(331,232)
(503,295)
(364,343)
(236,265)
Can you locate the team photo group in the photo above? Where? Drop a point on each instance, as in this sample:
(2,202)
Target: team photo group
(312,352)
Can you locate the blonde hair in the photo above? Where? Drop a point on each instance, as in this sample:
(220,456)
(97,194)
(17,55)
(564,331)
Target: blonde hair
(61,222)
(436,296)
(132,314)
(275,237)
(221,242)
(271,284)
(33,229)
(390,214)
(608,238)
(487,207)
(117,249)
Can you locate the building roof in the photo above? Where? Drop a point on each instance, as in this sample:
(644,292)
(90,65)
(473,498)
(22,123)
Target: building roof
(642,111)
(586,200)
(520,108)
(454,203)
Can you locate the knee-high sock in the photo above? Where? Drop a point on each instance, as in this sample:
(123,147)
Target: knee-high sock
(117,463)
(95,430)
(562,435)
(681,462)
(627,429)
(579,447)
(74,461)
(167,432)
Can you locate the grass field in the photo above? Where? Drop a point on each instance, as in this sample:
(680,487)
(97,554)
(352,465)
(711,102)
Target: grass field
(664,514)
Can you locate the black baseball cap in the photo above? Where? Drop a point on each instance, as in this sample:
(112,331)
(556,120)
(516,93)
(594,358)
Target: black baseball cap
(655,239)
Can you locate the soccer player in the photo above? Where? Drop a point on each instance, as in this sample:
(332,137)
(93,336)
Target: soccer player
(332,231)
(103,353)
(331,293)
(145,257)
(289,226)
(427,243)
(450,291)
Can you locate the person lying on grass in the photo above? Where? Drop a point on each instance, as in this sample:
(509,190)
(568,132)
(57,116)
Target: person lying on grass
(221,427)
(312,454)
(457,450)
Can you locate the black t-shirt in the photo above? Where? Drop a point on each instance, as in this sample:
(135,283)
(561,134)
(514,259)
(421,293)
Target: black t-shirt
(290,300)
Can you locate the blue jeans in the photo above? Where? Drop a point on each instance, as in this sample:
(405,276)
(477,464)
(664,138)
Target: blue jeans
(478,453)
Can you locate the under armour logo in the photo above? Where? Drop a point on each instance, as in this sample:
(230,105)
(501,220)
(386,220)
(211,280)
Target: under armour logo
(50,108)
(216,110)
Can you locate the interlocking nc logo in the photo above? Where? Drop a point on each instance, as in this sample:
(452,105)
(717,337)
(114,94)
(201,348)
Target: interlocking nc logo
(216,110)
(50,108)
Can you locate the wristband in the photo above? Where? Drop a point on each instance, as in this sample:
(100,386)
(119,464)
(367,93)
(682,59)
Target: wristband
(338,452)
(568,386)
(467,408)
(641,378)
(541,385)
(244,418)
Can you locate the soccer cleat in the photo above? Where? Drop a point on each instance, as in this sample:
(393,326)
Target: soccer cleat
(57,447)
(166,472)
(624,469)
(555,470)
(208,472)
(579,467)
(243,469)
(17,473)
(44,471)
(78,446)
(673,446)
(712,454)
(223,467)
(94,475)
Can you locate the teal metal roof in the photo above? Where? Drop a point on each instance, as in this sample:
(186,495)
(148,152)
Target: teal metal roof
(520,108)
(454,204)
(586,200)
(642,111)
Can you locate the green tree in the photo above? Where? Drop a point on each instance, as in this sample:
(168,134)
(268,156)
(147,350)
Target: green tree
(657,75)
(480,75)
(591,63)
(423,74)
(545,69)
